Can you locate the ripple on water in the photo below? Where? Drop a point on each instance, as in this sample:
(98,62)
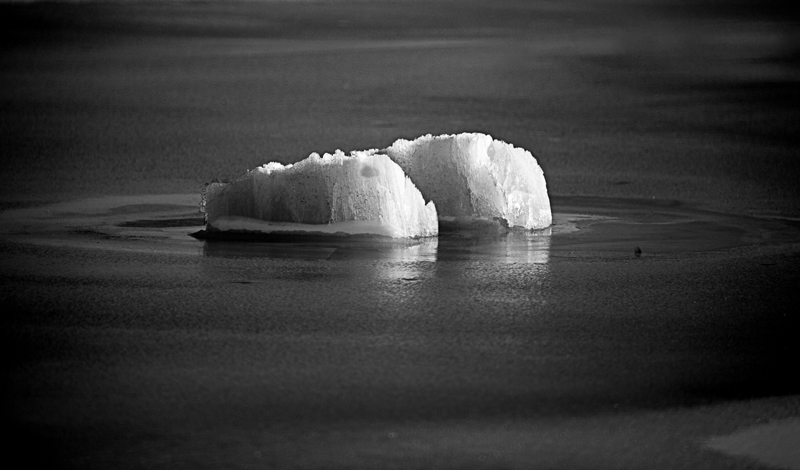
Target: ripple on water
(583,227)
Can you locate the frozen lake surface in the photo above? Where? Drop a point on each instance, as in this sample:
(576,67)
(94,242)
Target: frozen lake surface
(560,347)
(668,126)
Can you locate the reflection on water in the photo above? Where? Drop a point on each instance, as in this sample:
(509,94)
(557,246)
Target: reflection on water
(511,247)
(484,272)
(328,248)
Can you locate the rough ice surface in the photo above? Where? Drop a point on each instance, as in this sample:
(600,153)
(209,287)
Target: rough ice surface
(471,175)
(362,193)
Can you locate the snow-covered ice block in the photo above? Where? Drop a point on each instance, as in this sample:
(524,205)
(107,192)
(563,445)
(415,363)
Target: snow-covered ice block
(362,193)
(474,176)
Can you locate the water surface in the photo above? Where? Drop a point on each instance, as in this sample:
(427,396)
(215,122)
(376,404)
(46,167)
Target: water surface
(664,126)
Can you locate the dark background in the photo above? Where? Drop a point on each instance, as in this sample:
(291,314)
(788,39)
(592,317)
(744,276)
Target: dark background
(674,100)
(124,354)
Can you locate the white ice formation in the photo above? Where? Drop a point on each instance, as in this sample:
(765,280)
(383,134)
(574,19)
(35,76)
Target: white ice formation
(474,176)
(363,193)
(468,177)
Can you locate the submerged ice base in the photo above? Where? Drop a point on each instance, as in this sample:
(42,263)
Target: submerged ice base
(229,223)
(363,193)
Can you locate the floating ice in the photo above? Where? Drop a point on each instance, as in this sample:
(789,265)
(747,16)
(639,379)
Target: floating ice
(469,177)
(475,176)
(363,193)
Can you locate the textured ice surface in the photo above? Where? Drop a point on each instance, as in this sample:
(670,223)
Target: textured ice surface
(469,177)
(475,176)
(363,193)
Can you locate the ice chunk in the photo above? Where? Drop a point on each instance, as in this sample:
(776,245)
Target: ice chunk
(363,193)
(469,177)
(475,176)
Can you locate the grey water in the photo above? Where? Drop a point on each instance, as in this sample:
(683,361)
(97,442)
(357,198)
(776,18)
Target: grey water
(663,126)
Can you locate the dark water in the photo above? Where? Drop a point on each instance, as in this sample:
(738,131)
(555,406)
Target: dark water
(137,346)
(666,126)
(672,100)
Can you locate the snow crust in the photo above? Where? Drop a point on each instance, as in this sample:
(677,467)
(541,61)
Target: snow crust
(362,193)
(472,175)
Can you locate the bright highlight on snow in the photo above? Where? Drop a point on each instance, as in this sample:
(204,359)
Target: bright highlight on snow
(363,193)
(475,176)
(465,177)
